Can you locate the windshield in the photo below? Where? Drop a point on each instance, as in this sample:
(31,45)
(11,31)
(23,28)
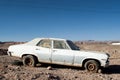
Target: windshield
(72,45)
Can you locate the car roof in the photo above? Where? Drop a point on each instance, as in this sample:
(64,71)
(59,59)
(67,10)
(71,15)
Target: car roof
(51,39)
(36,40)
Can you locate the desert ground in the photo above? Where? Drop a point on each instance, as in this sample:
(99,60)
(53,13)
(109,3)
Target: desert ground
(11,68)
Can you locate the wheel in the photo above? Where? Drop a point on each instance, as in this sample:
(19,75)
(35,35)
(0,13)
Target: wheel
(29,60)
(92,66)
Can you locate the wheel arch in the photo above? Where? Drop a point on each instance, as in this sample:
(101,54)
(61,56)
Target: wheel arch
(85,60)
(31,55)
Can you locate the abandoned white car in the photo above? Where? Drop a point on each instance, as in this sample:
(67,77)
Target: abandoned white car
(58,51)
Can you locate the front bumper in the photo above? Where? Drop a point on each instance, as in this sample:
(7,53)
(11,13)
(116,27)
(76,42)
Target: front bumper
(107,64)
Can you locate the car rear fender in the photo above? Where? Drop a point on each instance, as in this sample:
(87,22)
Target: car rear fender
(32,55)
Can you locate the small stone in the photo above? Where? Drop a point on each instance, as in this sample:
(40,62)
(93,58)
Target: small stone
(18,68)
(4,72)
(99,71)
(76,77)
(49,68)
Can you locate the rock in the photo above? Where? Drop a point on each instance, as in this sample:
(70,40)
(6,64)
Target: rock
(2,77)
(49,68)
(76,77)
(99,71)
(36,76)
(53,77)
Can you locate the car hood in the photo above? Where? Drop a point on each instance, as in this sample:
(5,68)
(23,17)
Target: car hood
(92,54)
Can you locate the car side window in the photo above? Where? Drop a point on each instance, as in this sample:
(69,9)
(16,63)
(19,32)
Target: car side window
(45,43)
(60,45)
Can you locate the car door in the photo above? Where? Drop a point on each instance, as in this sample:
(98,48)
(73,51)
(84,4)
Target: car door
(44,52)
(61,53)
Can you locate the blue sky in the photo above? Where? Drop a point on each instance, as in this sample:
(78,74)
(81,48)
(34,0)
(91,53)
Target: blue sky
(23,20)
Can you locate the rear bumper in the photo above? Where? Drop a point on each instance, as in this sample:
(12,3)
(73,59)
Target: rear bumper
(9,53)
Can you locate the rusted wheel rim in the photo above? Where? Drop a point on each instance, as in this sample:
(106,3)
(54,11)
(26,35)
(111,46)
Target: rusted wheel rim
(91,67)
(28,61)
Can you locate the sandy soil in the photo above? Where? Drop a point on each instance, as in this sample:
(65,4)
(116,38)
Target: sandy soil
(11,68)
